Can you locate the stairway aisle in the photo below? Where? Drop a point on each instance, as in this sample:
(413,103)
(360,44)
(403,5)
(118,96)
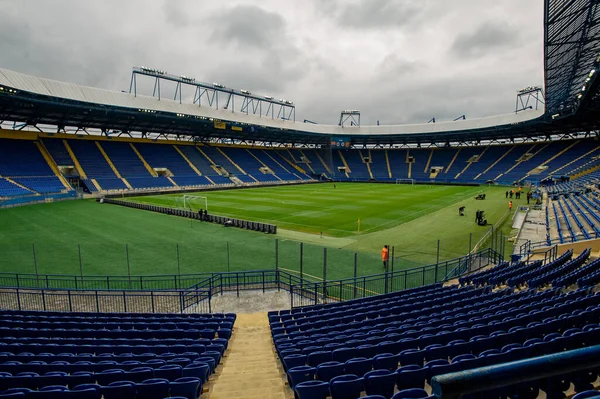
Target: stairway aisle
(251,368)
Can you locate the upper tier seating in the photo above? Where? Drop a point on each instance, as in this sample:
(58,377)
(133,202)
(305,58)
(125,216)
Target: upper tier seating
(125,159)
(14,152)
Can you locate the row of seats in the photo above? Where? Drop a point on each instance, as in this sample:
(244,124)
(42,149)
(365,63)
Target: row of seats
(154,388)
(50,355)
(408,337)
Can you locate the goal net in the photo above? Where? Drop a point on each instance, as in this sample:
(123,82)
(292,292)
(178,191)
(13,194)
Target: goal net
(189,202)
(405,181)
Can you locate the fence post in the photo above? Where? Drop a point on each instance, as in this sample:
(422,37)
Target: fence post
(470,242)
(301,259)
(70,303)
(324,273)
(355,271)
(178,261)
(44,299)
(128,265)
(152,300)
(97,303)
(277,265)
(124,302)
(292,295)
(80,263)
(437,263)
(18,299)
(228,259)
(37,275)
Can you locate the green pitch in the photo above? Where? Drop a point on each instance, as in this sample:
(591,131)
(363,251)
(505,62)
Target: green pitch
(113,240)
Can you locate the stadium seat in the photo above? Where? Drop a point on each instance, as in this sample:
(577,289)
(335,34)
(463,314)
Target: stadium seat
(119,390)
(346,386)
(415,393)
(155,388)
(380,382)
(312,390)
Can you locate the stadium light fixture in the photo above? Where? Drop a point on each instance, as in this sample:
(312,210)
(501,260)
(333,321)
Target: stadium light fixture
(218,85)
(268,97)
(244,91)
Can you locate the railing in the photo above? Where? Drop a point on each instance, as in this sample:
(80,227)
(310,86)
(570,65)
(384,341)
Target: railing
(307,293)
(101,301)
(455,385)
(571,239)
(198,296)
(490,234)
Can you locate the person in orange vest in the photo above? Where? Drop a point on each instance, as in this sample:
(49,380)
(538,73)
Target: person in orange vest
(385,256)
(510,205)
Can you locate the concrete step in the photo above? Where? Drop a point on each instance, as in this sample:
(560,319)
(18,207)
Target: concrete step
(251,369)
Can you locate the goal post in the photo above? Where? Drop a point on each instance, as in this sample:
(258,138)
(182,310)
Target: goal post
(195,202)
(405,181)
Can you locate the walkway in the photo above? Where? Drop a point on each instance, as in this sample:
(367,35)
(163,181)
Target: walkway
(251,369)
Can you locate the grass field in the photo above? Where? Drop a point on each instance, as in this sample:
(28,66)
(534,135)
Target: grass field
(112,240)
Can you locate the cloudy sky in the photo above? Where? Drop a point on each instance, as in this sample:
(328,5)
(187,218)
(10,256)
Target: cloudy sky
(398,61)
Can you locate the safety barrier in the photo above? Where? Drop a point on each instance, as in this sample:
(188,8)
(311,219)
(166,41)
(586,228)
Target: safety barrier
(226,221)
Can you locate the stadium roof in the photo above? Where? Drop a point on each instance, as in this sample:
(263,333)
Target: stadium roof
(571,54)
(572,39)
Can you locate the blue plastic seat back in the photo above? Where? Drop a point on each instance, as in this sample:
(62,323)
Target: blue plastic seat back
(346,386)
(380,382)
(414,393)
(119,390)
(328,370)
(155,388)
(312,390)
(189,387)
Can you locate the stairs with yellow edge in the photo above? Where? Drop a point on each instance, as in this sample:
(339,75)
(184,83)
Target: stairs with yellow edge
(251,369)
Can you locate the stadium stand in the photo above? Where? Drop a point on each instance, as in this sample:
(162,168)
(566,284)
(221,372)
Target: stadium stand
(399,341)
(122,165)
(35,176)
(107,354)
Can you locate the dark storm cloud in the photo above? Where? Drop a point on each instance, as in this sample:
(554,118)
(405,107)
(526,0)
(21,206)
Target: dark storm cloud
(487,38)
(248,26)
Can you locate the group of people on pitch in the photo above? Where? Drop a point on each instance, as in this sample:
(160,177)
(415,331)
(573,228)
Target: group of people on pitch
(203,214)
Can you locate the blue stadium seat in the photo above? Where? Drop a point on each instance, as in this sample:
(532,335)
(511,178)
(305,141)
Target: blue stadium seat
(312,390)
(346,386)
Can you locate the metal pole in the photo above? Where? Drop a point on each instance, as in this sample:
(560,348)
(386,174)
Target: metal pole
(324,273)
(470,242)
(392,282)
(276,254)
(301,259)
(355,271)
(80,263)
(128,265)
(35,261)
(437,263)
(178,261)
(228,260)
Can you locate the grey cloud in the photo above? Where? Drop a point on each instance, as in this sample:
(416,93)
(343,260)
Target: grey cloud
(372,14)
(397,61)
(488,37)
(394,65)
(248,26)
